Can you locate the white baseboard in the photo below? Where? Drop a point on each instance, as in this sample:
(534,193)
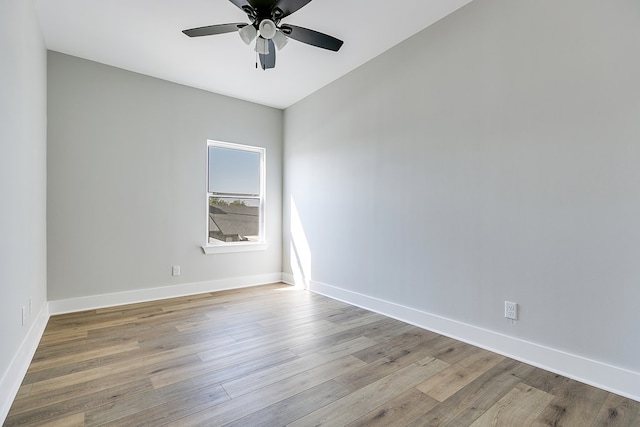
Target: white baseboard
(12,378)
(290,279)
(611,378)
(143,295)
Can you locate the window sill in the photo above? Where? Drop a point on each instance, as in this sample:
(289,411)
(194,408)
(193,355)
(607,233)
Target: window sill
(233,248)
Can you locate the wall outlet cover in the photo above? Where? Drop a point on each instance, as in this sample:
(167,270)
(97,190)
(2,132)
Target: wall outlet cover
(511,310)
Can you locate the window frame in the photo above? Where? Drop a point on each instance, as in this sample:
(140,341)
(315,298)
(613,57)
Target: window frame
(242,246)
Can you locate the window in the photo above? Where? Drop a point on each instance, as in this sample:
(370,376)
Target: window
(235,197)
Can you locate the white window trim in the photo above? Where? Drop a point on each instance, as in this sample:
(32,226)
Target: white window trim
(235,247)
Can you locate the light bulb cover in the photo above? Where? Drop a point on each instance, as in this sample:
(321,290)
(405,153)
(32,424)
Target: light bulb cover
(280,40)
(248,33)
(267,28)
(262,46)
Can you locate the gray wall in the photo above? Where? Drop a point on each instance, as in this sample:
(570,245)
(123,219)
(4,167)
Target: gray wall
(127,174)
(493,156)
(22,175)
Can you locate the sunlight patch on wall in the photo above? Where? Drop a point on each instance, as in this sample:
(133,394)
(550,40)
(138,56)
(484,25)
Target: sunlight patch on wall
(300,253)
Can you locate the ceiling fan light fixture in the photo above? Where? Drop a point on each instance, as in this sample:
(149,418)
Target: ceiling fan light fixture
(248,33)
(262,46)
(267,28)
(280,40)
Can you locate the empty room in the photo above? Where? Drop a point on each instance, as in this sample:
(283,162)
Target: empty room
(296,212)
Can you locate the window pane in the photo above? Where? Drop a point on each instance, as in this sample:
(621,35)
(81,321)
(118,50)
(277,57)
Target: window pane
(234,219)
(234,171)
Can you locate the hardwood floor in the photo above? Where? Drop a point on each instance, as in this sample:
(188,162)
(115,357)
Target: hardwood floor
(273,355)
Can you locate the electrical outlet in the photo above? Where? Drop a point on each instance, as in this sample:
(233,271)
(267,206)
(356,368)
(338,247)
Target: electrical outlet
(511,310)
(175,270)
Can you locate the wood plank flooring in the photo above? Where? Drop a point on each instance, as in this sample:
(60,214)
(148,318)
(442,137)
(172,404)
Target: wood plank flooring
(274,356)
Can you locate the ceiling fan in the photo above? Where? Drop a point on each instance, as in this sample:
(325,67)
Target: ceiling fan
(268,31)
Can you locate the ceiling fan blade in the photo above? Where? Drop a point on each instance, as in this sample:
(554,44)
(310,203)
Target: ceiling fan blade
(269,60)
(289,6)
(214,29)
(312,37)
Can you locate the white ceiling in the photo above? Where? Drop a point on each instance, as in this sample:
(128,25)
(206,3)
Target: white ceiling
(145,36)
